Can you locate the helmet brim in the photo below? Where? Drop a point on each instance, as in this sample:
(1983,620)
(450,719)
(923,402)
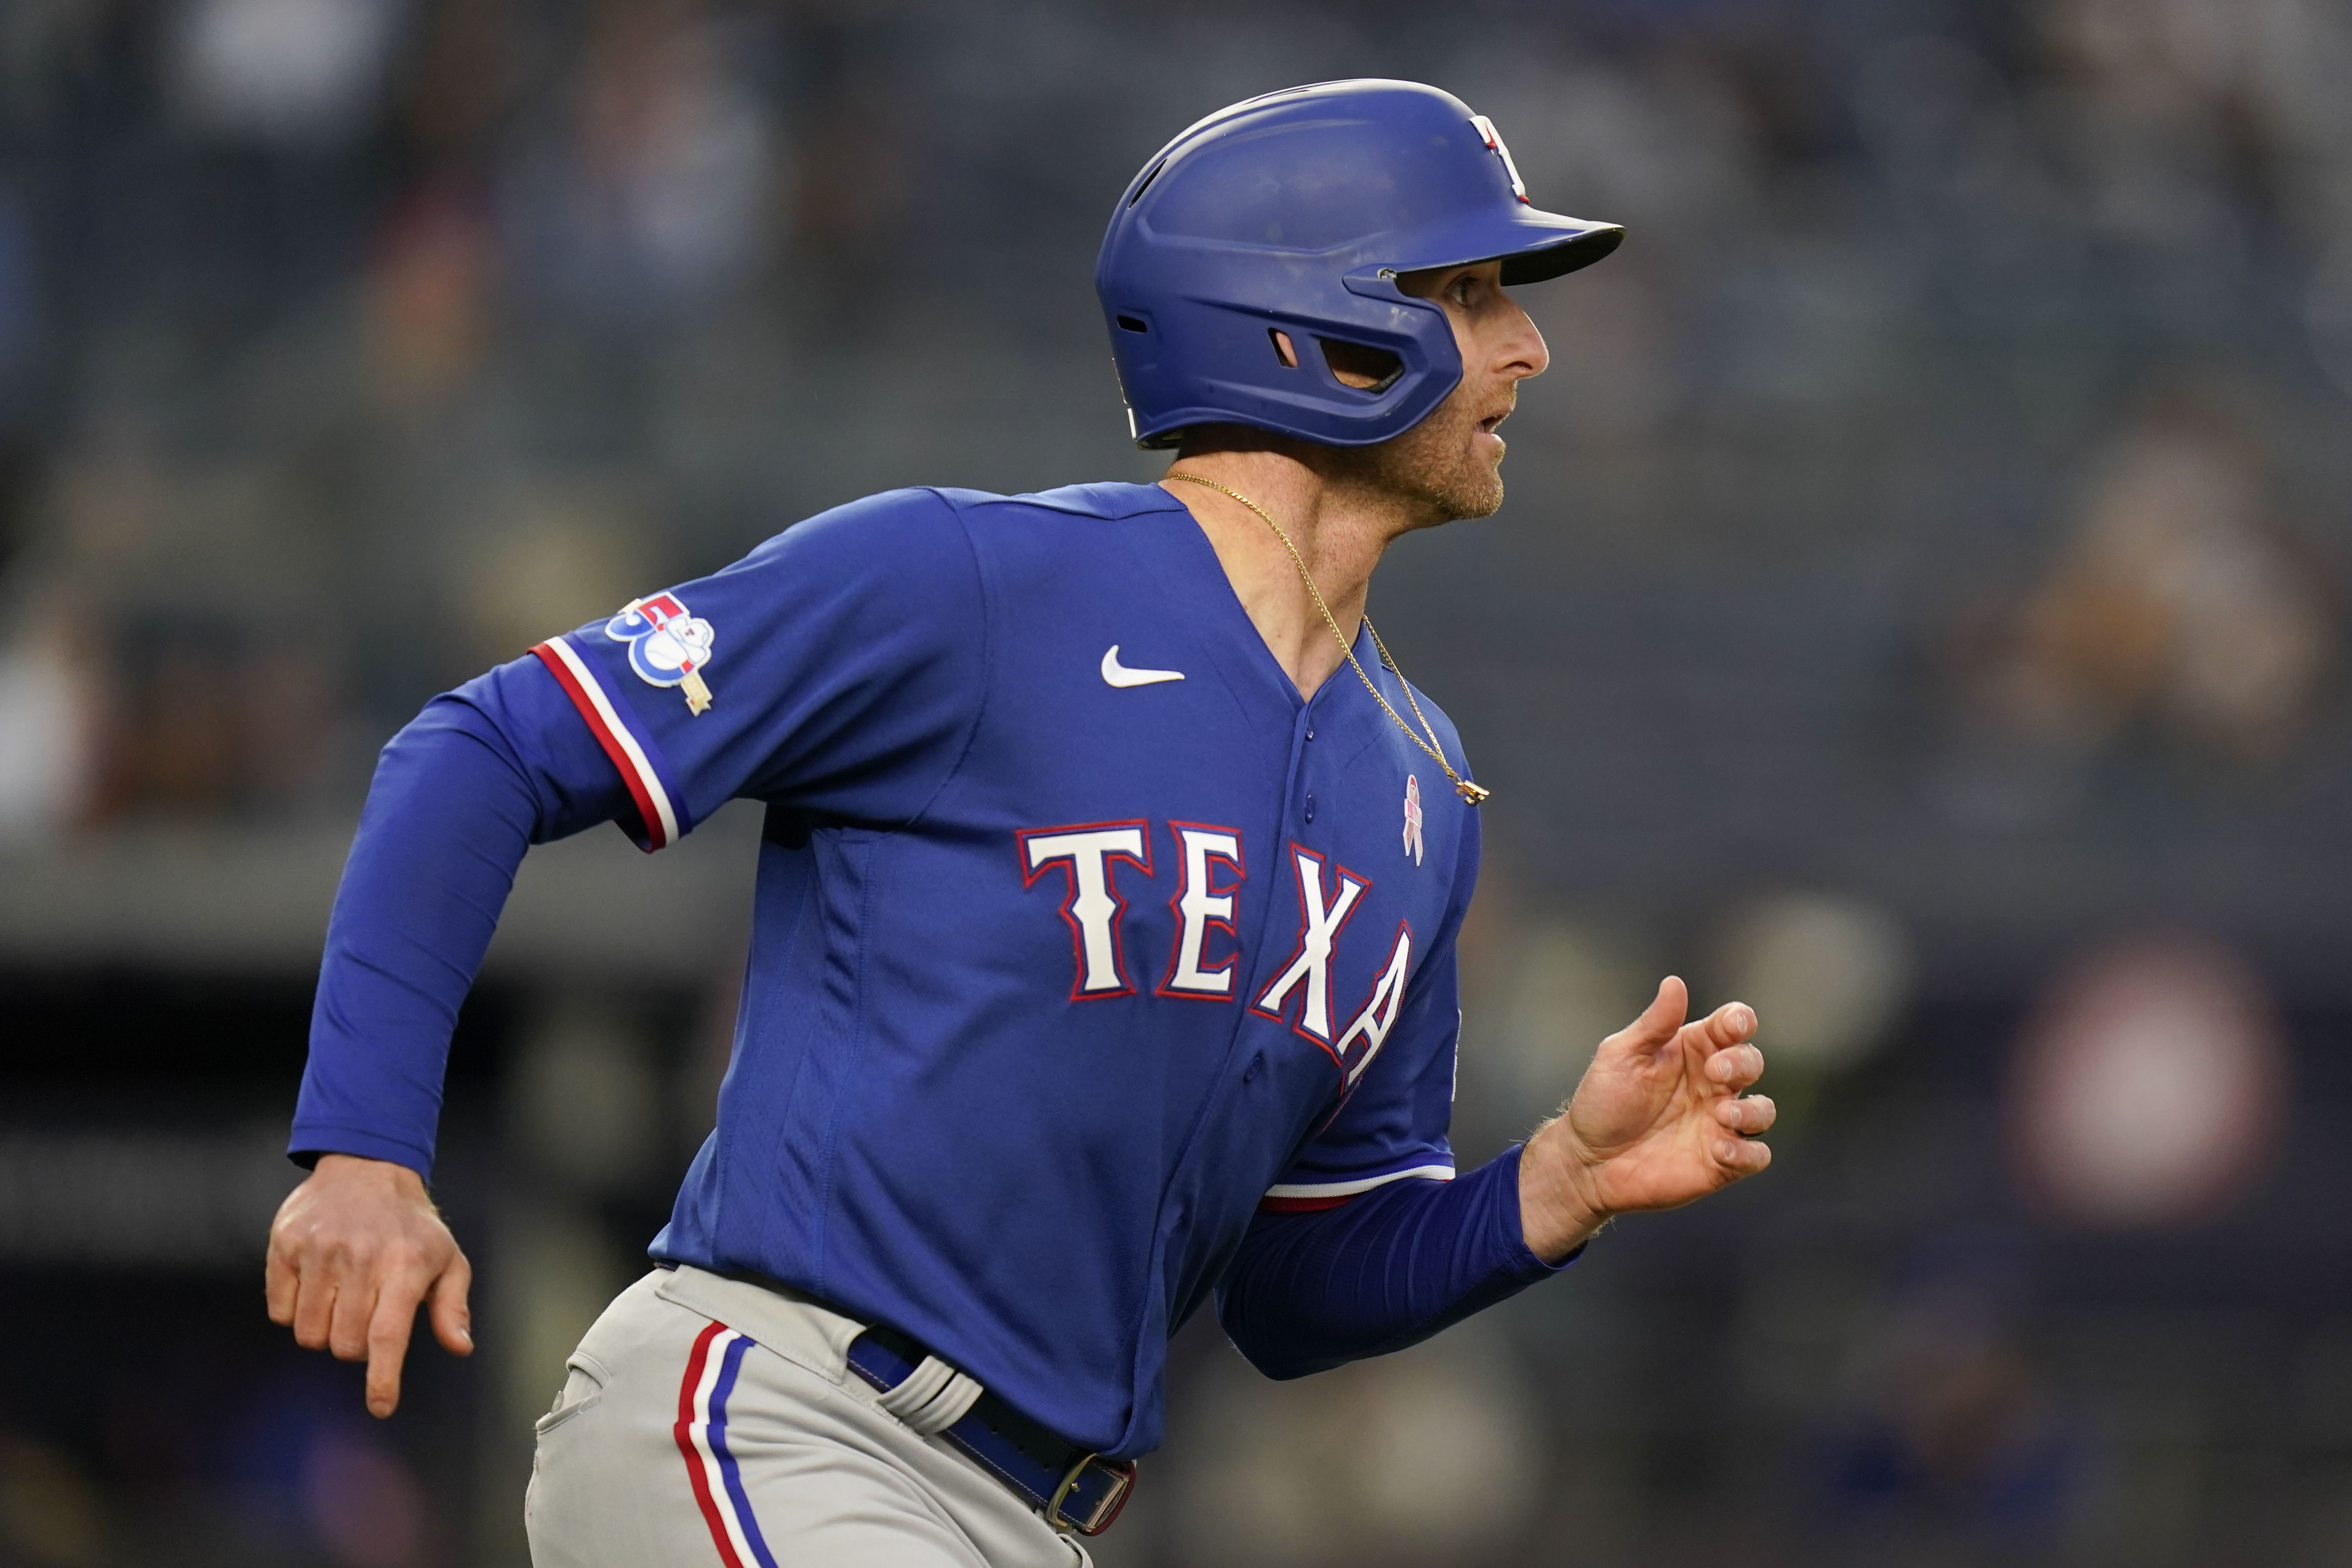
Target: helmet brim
(1561,256)
(1532,244)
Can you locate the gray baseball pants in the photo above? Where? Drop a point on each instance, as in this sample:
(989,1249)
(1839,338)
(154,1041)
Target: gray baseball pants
(709,1421)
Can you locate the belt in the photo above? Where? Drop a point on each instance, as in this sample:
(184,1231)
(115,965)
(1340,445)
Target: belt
(1078,1488)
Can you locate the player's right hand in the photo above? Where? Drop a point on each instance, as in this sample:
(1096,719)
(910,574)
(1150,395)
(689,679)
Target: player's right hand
(353,1251)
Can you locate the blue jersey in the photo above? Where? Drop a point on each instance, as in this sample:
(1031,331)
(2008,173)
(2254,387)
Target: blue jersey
(1080,938)
(1074,920)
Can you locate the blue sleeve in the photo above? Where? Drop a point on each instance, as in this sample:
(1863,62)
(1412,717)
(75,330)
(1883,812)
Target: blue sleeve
(838,668)
(483,772)
(1368,1243)
(1311,1290)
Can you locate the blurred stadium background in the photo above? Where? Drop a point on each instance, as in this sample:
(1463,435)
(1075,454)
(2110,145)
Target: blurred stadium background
(1920,612)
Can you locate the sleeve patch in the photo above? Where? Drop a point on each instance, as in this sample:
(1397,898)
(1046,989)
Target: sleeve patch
(668,645)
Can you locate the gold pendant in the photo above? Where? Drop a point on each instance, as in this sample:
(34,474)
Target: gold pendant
(1475,794)
(697,694)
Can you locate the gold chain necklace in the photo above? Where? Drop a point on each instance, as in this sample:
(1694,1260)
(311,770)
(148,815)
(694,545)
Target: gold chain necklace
(1475,794)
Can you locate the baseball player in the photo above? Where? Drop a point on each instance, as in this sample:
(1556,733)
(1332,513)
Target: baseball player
(1102,959)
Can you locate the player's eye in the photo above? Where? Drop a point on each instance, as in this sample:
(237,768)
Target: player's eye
(1461,291)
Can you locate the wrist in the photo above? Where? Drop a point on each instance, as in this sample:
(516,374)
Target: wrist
(1559,1206)
(342,1168)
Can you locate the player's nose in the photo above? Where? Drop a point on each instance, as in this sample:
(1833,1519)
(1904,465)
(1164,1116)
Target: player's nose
(1523,350)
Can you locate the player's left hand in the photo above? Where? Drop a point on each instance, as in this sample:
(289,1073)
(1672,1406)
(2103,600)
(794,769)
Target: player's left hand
(1660,1118)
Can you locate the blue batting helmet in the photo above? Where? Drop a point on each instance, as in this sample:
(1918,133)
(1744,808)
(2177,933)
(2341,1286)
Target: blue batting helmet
(1294,213)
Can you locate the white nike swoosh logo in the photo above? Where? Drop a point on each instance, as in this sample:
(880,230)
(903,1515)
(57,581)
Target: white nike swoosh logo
(1117,674)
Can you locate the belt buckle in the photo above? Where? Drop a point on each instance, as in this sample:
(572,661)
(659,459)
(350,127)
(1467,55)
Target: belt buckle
(1104,1512)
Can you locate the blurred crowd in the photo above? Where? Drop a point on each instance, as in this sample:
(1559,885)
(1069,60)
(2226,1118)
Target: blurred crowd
(348,345)
(1919,611)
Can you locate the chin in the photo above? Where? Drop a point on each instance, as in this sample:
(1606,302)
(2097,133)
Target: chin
(1466,499)
(1486,502)
(1478,492)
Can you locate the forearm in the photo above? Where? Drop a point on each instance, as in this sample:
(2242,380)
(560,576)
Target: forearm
(1310,1291)
(453,808)
(446,823)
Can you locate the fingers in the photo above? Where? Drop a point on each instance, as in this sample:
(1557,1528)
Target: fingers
(1722,1037)
(1658,1022)
(453,1322)
(1726,1026)
(1742,1157)
(366,1310)
(387,1342)
(395,1318)
(314,1306)
(280,1285)
(354,1311)
(1736,1067)
(1749,1116)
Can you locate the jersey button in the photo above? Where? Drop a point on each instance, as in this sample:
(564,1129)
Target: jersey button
(1256,1062)
(1310,808)
(1310,732)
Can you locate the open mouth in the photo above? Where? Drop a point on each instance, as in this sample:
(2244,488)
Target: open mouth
(1488,423)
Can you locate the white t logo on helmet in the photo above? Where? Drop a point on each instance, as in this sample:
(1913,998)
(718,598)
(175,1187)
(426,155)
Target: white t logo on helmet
(1494,140)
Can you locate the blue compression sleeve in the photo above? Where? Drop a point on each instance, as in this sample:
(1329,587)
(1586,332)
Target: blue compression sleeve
(482,774)
(1310,1291)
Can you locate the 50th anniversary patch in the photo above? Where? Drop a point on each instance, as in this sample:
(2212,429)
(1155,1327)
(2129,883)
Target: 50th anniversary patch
(667,644)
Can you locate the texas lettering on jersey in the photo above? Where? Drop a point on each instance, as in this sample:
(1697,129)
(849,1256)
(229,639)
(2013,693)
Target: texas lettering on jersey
(1204,958)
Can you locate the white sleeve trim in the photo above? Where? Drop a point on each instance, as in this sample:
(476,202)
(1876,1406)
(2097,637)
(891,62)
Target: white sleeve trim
(665,829)
(1361,1185)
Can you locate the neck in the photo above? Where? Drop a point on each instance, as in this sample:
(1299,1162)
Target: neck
(1341,529)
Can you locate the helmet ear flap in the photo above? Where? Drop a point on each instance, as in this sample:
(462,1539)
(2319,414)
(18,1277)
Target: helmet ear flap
(1351,364)
(1362,365)
(1359,365)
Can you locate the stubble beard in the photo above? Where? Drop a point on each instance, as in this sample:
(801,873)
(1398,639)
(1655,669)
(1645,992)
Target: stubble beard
(1435,469)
